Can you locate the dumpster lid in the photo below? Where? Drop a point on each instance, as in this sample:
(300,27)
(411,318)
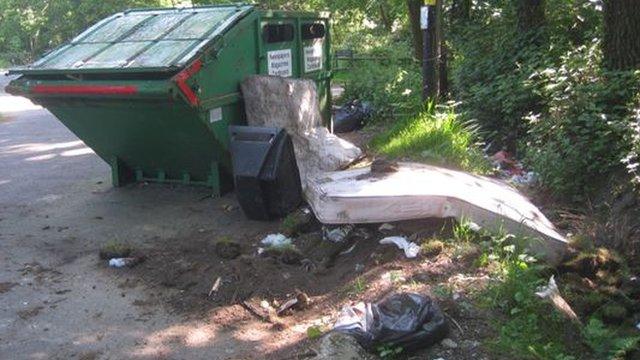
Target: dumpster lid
(140,40)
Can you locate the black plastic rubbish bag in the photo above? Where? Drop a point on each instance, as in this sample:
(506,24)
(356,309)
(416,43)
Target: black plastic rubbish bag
(407,320)
(351,116)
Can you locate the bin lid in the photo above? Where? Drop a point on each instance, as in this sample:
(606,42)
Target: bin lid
(140,40)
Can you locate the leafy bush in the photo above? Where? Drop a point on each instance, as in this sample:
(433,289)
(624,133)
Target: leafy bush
(607,343)
(439,137)
(385,76)
(585,132)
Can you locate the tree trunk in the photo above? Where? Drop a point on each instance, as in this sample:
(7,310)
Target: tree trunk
(441,47)
(621,43)
(461,10)
(531,15)
(384,15)
(414,20)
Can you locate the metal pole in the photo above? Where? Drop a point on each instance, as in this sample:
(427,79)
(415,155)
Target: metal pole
(429,50)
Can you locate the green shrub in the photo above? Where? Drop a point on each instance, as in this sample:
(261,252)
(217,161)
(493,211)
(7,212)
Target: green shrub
(585,132)
(440,138)
(384,74)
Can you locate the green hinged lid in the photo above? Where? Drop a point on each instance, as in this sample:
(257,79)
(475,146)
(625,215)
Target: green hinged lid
(140,40)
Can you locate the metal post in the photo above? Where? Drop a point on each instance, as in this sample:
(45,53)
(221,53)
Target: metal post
(429,50)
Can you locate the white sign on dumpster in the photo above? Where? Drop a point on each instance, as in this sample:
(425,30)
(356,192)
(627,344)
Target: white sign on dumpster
(313,57)
(279,63)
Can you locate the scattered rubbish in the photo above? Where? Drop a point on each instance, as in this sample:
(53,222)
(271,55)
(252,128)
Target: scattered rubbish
(528,178)
(276,240)
(448,343)
(126,261)
(512,170)
(350,249)
(359,268)
(504,162)
(386,227)
(351,116)
(215,286)
(408,320)
(552,294)
(411,249)
(117,262)
(337,345)
(300,301)
(265,305)
(337,234)
(638,326)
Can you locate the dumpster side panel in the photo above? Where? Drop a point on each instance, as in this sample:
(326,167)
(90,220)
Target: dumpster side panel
(148,140)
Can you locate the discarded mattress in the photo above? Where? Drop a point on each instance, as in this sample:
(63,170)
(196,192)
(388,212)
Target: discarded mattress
(415,191)
(418,191)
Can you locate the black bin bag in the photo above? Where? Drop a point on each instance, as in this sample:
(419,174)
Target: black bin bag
(407,320)
(266,176)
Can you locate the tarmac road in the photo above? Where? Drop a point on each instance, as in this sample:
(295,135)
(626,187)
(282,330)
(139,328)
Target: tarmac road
(57,207)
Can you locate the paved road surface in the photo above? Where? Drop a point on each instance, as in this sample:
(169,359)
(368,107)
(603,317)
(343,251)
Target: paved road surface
(57,207)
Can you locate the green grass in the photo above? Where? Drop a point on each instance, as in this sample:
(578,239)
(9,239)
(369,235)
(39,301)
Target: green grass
(439,138)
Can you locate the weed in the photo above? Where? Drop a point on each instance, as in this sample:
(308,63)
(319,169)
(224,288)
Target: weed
(314,332)
(115,249)
(359,286)
(442,291)
(465,231)
(389,351)
(432,247)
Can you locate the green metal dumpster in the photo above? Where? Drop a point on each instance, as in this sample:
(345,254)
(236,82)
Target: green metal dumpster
(152,91)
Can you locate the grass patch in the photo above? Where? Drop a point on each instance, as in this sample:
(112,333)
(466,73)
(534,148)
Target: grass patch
(440,138)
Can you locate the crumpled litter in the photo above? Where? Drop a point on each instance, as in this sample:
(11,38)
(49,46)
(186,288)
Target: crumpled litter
(411,249)
(126,261)
(276,240)
(552,294)
(408,320)
(338,234)
(528,178)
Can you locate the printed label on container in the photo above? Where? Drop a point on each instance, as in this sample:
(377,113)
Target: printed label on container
(215,115)
(313,57)
(279,63)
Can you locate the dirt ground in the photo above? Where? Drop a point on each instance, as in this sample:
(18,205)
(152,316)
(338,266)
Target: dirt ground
(60,301)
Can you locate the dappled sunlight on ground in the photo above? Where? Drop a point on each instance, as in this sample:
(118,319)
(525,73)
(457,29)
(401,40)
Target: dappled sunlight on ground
(15,104)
